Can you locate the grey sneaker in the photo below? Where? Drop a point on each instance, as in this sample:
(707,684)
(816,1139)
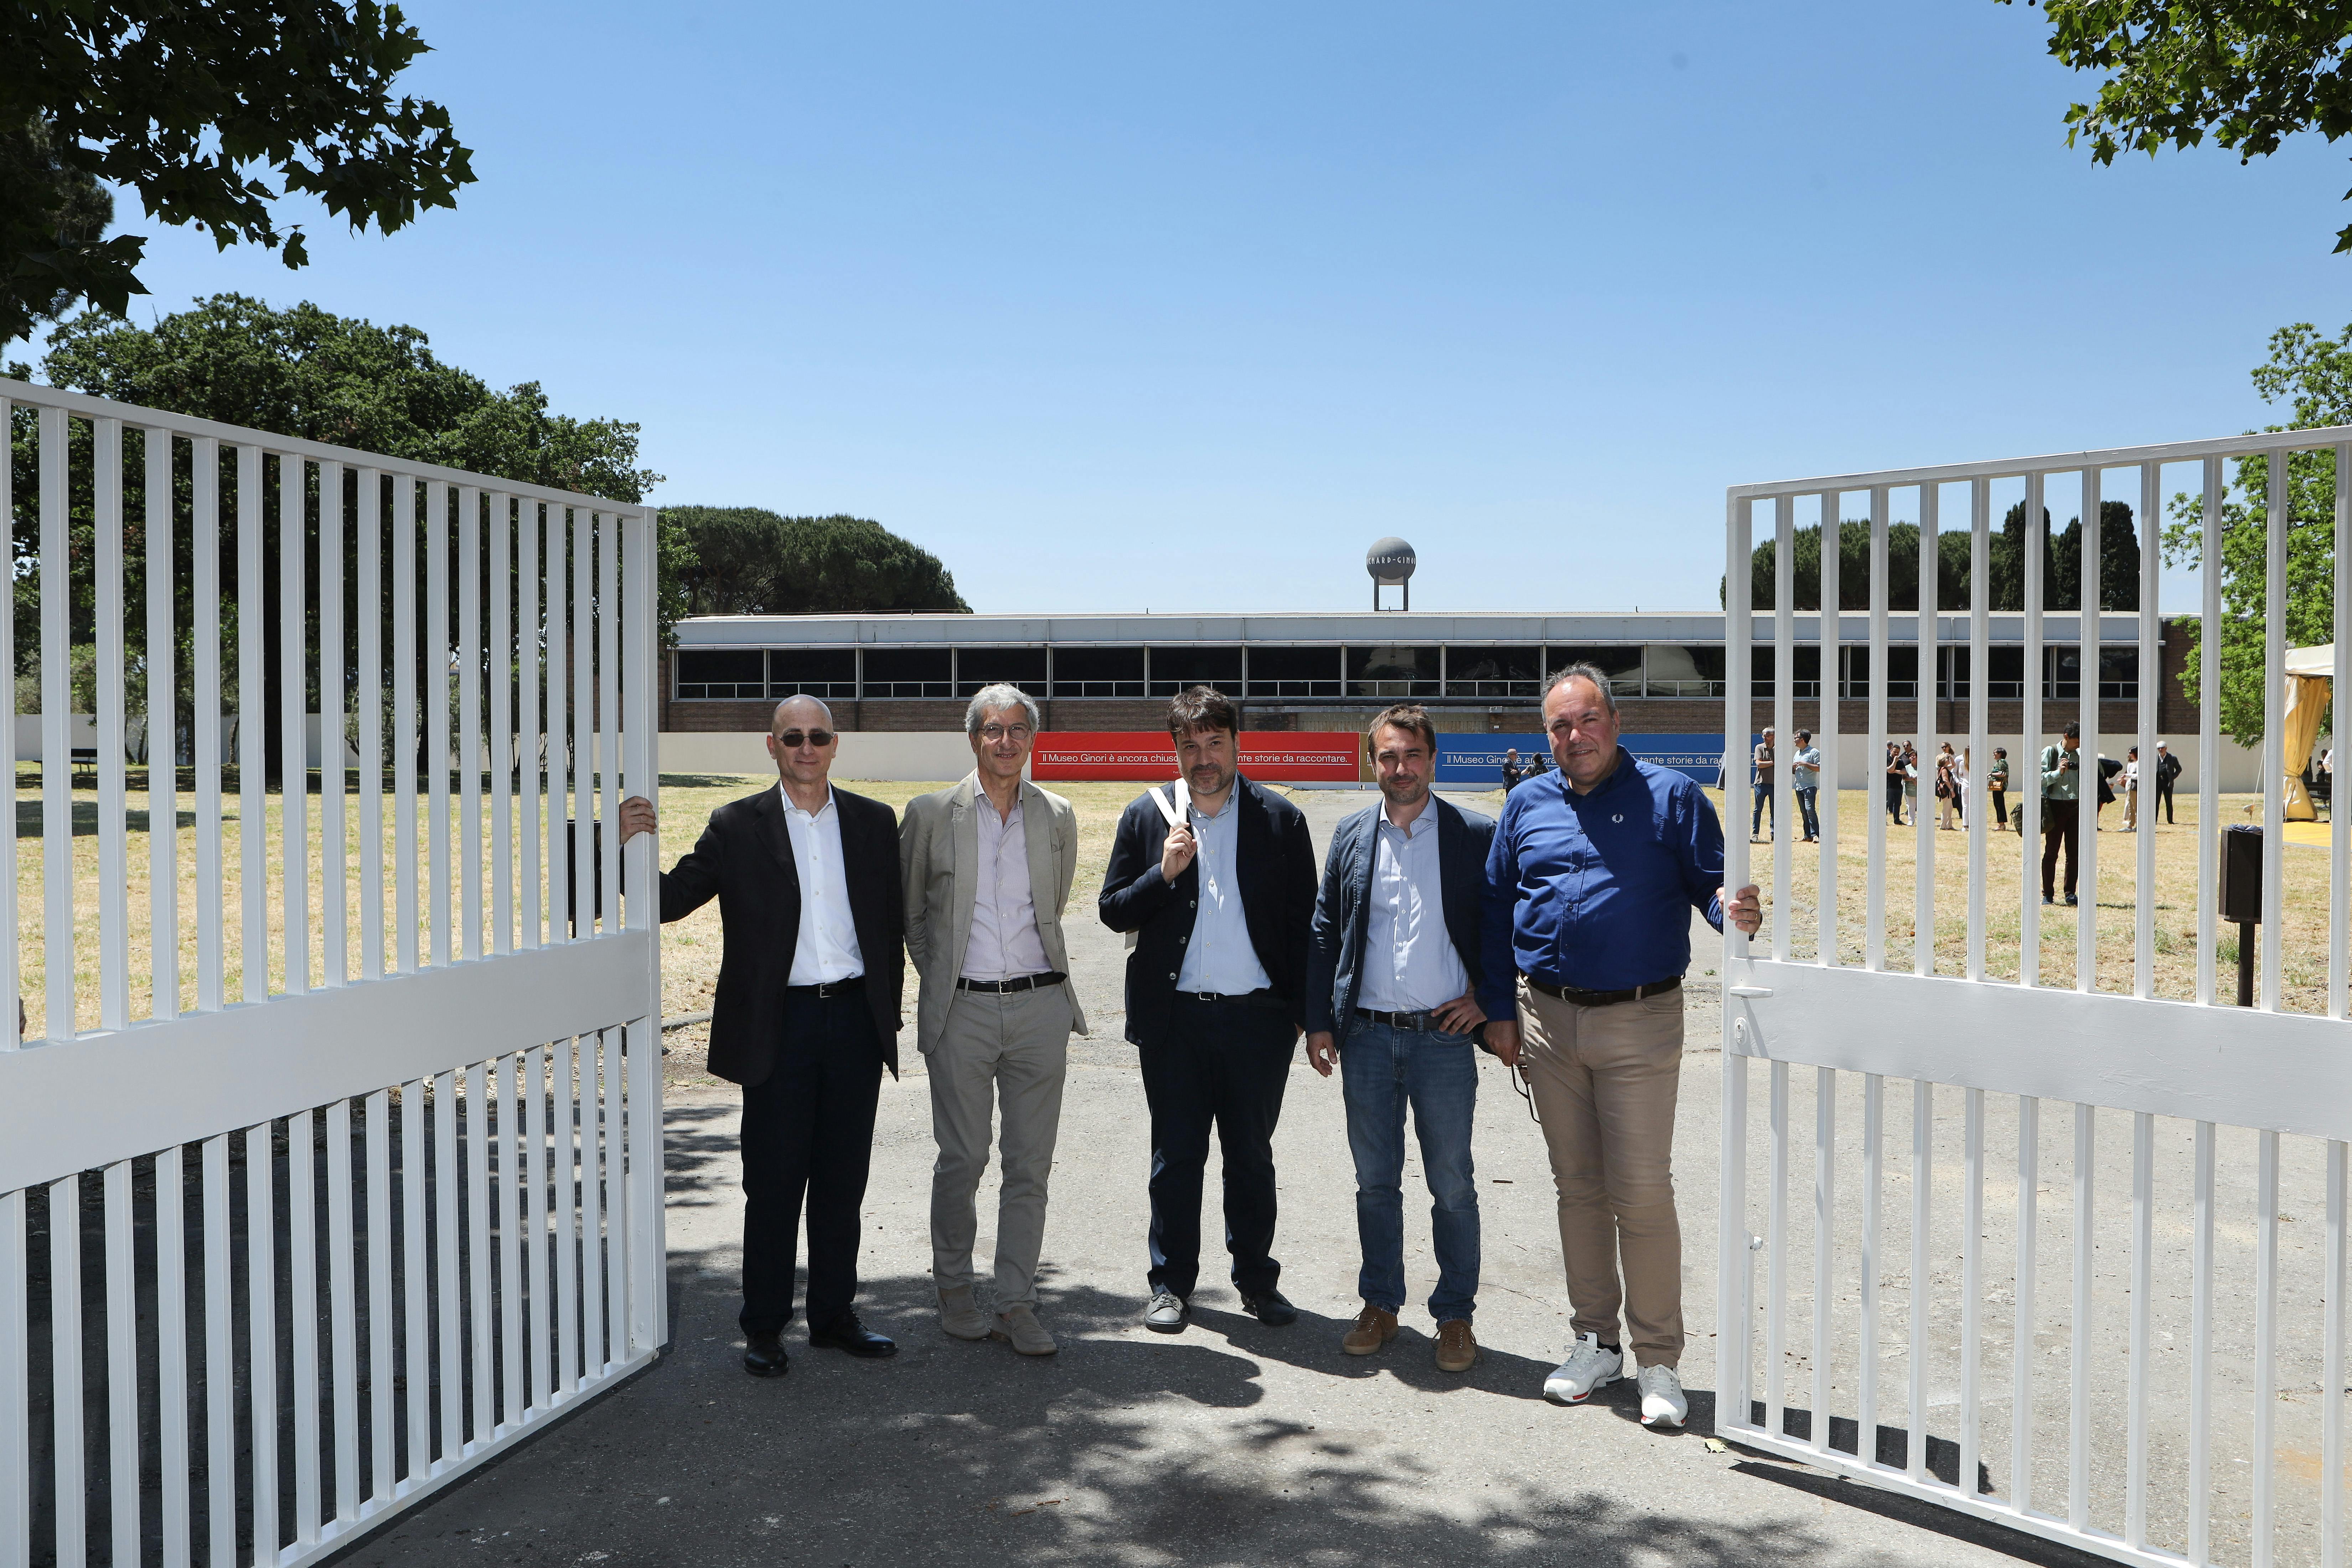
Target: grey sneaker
(960,1315)
(1165,1314)
(1026,1333)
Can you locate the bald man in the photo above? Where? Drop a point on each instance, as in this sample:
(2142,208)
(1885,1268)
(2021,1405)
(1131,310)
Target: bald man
(805,1018)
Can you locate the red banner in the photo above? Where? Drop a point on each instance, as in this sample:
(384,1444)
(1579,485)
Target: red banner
(1304,756)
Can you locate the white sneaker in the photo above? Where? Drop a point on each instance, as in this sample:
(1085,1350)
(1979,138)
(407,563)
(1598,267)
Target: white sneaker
(1588,1367)
(1662,1404)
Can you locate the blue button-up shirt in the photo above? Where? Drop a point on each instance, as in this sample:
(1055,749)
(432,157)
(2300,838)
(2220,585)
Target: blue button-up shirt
(1219,955)
(1594,891)
(1409,962)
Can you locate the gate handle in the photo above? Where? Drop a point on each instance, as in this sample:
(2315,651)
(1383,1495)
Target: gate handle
(1749,990)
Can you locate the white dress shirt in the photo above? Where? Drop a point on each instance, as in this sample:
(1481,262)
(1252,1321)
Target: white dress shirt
(1219,957)
(1409,963)
(827,948)
(1004,943)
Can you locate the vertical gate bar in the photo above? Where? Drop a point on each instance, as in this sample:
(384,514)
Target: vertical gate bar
(2201,1339)
(1923,1177)
(593,1078)
(2021,1394)
(415,1275)
(2266,1252)
(1781,805)
(1979,713)
(220,1355)
(1731,1201)
(381,1320)
(1824,1244)
(261,1325)
(469,715)
(16,1370)
(1827,723)
(2339,826)
(113,830)
(1735,1313)
(2209,729)
(450,1361)
(162,751)
(510,1220)
(405,745)
(57,762)
(567,1198)
(436,721)
(65,1384)
(11,961)
(478,1246)
(252,730)
(1927,721)
(500,673)
(1874,1191)
(528,675)
(585,894)
(334,773)
(2142,1287)
(2331,1420)
(1776,1265)
(342,1321)
(608,727)
(293,702)
(558,757)
(205,715)
(649,1308)
(2273,746)
(1971,1285)
(122,1363)
(172,1471)
(2151,668)
(2029,761)
(367,701)
(535,1216)
(1874,927)
(302,1316)
(2089,645)
(2078,1434)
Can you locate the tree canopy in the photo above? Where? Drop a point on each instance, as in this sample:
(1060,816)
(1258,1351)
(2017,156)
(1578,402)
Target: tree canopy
(748,561)
(2062,564)
(2249,73)
(189,106)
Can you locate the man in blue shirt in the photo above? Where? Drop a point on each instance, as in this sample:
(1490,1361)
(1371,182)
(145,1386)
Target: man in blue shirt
(1589,885)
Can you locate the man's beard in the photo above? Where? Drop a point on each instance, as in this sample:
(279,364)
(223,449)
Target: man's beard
(1405,794)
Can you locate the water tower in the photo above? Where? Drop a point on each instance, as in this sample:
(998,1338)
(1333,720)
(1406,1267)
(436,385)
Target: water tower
(1390,561)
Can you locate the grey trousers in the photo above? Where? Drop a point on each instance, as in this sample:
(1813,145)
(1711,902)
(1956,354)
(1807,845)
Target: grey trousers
(997,1052)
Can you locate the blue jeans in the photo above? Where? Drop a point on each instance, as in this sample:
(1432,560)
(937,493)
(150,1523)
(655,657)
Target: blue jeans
(1764,807)
(1805,805)
(1384,1069)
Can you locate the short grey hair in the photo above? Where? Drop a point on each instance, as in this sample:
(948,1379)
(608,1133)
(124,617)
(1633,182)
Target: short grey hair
(1581,671)
(1003,694)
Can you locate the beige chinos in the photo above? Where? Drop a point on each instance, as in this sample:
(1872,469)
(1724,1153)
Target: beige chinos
(1006,1052)
(1605,1082)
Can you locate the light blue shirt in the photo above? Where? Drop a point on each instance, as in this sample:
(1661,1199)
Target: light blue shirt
(1218,955)
(1409,965)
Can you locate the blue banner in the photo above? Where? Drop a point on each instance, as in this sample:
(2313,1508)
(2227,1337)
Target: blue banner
(1477,760)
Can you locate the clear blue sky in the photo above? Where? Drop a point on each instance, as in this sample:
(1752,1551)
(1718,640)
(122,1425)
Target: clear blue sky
(1180,308)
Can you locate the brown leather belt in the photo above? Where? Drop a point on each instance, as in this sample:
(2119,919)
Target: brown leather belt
(1602,998)
(1019,983)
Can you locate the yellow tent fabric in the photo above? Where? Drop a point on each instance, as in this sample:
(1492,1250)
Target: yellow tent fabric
(2307,700)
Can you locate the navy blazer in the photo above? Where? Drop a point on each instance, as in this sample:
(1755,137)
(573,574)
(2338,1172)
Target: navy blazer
(1274,856)
(1343,910)
(745,861)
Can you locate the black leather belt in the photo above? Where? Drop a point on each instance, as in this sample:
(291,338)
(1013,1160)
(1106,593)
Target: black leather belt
(1263,996)
(1421,1023)
(853,986)
(1602,998)
(1020,982)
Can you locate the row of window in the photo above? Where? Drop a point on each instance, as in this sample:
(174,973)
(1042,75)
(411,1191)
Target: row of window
(1388,673)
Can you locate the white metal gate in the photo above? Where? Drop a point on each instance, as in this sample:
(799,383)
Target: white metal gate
(331,1165)
(2152,1365)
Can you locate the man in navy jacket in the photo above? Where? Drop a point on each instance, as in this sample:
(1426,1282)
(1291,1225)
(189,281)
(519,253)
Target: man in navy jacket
(1215,878)
(1391,983)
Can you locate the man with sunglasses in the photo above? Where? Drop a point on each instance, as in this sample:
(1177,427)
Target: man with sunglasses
(987,866)
(805,1017)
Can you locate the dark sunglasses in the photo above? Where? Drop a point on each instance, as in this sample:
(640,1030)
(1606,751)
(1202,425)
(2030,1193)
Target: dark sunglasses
(791,739)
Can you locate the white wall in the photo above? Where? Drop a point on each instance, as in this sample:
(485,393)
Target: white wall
(940,756)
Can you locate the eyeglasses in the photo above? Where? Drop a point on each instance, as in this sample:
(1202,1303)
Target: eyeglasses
(1519,1082)
(791,739)
(995,732)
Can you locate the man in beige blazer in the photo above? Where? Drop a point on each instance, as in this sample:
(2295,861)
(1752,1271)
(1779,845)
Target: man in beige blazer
(987,867)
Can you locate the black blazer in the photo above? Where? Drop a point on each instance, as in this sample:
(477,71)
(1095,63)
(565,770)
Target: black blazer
(1274,857)
(745,861)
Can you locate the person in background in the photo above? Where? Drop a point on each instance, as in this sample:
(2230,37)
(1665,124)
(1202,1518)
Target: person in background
(1805,779)
(1760,782)
(1895,781)
(2167,769)
(1512,771)
(1963,780)
(2062,809)
(2130,783)
(1997,785)
(1910,783)
(1947,792)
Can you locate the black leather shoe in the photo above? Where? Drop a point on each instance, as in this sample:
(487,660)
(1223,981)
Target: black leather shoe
(763,1356)
(846,1334)
(1271,1310)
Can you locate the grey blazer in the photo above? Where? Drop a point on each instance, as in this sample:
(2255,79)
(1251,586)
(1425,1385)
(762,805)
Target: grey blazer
(938,855)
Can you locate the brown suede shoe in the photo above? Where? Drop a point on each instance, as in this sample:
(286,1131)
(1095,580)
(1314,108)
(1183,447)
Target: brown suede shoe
(1374,1328)
(1457,1347)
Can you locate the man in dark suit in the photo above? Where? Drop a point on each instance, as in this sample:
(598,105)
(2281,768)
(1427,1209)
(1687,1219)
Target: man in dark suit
(1216,877)
(805,1017)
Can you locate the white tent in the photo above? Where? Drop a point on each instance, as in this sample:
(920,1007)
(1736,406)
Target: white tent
(2320,660)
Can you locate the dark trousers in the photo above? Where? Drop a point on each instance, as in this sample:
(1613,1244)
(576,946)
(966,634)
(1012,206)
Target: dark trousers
(2001,807)
(2061,829)
(1222,1064)
(1894,798)
(1764,809)
(2163,799)
(808,1131)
